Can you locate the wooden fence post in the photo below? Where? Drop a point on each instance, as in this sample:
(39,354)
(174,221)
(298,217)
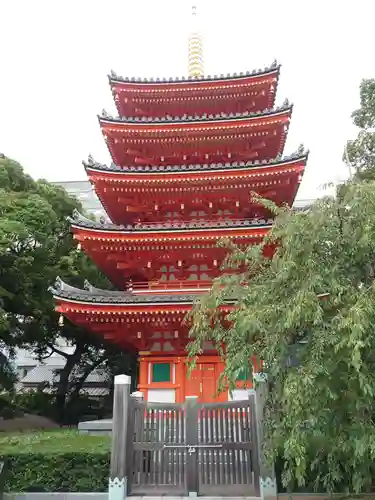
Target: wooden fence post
(267,479)
(117,480)
(191,440)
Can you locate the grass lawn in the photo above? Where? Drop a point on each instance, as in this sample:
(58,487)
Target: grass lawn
(53,442)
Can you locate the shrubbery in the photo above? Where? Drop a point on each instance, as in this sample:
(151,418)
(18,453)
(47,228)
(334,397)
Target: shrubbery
(56,461)
(82,407)
(8,408)
(66,472)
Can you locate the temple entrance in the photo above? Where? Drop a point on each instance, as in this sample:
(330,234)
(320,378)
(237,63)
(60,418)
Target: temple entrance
(207,449)
(167,379)
(203,382)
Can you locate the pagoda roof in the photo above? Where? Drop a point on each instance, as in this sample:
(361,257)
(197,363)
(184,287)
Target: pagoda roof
(80,221)
(105,117)
(147,170)
(92,295)
(274,67)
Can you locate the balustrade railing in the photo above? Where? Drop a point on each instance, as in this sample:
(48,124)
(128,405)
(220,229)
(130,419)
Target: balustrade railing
(169,285)
(200,224)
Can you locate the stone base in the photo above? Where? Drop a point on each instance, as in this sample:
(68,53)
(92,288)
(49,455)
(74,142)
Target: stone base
(117,489)
(96,427)
(268,488)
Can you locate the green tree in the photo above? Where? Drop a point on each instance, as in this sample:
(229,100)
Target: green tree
(319,350)
(36,246)
(360,152)
(7,376)
(309,314)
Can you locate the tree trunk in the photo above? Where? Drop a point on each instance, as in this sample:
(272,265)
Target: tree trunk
(63,384)
(79,383)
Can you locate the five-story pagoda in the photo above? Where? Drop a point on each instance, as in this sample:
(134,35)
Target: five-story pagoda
(187,154)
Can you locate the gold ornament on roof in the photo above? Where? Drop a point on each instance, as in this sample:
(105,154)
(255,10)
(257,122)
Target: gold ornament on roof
(195,49)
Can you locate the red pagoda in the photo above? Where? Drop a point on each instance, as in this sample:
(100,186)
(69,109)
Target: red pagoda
(187,154)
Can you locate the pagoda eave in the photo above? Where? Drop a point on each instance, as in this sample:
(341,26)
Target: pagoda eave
(179,124)
(78,306)
(186,84)
(124,176)
(236,138)
(82,233)
(234,93)
(96,300)
(150,170)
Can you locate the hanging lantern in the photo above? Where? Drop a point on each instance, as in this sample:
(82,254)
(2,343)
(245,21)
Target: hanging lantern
(61,320)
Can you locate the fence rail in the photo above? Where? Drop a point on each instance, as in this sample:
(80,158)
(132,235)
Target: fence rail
(176,448)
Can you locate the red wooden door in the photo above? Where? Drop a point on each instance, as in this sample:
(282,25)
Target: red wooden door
(202,383)
(193,382)
(208,383)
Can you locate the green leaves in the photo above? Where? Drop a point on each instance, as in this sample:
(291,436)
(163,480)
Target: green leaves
(361,152)
(36,246)
(319,352)
(56,461)
(364,117)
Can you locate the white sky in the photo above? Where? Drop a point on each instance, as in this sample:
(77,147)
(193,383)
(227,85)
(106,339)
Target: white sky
(55,56)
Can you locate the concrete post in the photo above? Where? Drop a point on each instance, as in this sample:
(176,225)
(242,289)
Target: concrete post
(117,489)
(267,479)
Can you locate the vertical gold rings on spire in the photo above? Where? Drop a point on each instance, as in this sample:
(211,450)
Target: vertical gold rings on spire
(195,48)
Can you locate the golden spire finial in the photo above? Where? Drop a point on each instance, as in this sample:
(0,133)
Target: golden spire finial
(195,48)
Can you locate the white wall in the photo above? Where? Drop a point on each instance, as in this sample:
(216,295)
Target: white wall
(239,394)
(161,396)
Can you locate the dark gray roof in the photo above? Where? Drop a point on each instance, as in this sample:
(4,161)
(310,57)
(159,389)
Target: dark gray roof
(48,374)
(148,120)
(41,374)
(114,77)
(96,295)
(82,221)
(299,155)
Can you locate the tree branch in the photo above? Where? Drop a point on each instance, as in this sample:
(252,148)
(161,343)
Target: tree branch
(58,351)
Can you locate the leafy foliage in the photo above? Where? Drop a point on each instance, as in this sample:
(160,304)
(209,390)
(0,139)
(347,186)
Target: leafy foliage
(321,405)
(36,246)
(7,376)
(309,314)
(56,461)
(361,151)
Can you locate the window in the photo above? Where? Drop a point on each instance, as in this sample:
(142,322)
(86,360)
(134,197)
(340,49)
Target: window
(243,375)
(197,273)
(167,273)
(161,372)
